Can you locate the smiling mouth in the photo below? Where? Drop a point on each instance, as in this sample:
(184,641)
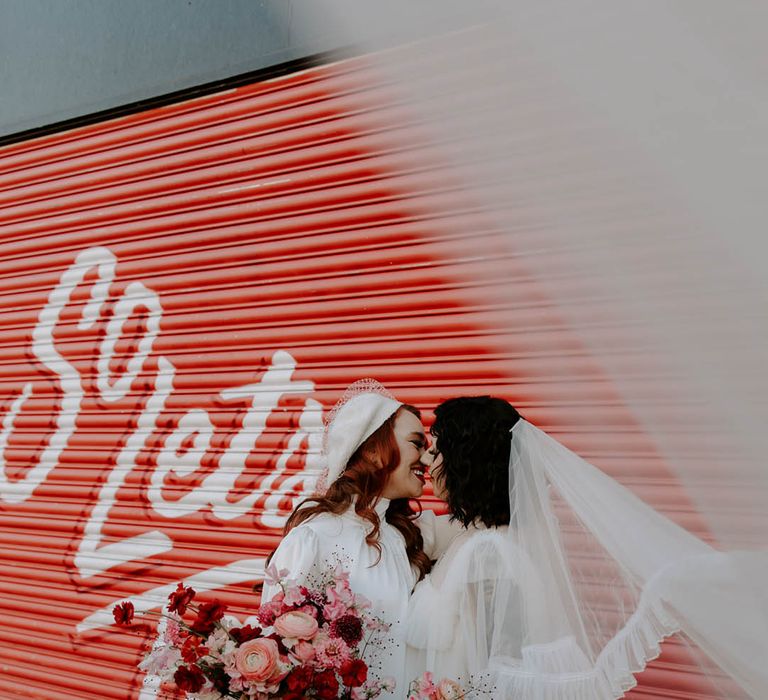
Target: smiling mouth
(420,472)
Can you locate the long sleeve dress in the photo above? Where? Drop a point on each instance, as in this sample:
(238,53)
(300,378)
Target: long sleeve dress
(467,609)
(317,545)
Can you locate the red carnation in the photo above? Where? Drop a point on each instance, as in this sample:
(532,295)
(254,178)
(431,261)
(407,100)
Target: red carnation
(269,611)
(354,673)
(326,685)
(208,614)
(193,649)
(189,679)
(180,599)
(299,679)
(123,613)
(245,633)
(349,628)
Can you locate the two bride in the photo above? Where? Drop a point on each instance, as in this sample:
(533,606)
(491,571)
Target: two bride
(547,579)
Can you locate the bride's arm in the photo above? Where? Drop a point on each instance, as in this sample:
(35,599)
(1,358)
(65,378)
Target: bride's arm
(491,609)
(437,531)
(297,554)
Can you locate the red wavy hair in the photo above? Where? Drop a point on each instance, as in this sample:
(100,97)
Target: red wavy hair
(362,483)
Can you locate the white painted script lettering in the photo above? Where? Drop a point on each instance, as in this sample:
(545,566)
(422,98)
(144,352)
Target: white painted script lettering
(215,488)
(45,350)
(135,295)
(183,450)
(91,558)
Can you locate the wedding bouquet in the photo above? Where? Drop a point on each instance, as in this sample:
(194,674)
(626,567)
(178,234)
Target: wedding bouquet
(308,643)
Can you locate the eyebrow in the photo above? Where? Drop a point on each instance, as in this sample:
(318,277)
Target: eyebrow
(419,435)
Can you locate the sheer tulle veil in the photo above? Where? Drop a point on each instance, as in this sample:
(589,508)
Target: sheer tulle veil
(596,579)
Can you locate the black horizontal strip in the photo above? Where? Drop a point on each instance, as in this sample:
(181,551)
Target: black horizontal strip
(254,76)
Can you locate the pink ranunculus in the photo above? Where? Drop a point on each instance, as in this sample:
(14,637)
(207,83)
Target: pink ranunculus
(296,625)
(304,652)
(257,660)
(449,690)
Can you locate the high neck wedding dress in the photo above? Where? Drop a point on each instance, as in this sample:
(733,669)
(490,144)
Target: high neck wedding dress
(315,547)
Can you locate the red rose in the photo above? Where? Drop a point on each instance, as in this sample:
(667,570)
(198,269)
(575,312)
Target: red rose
(180,598)
(354,673)
(245,633)
(208,614)
(123,613)
(189,679)
(299,679)
(326,685)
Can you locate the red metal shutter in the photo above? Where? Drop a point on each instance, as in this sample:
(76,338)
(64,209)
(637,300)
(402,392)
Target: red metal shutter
(184,291)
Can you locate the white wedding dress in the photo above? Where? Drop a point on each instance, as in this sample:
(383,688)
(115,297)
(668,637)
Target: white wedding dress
(574,597)
(457,612)
(312,549)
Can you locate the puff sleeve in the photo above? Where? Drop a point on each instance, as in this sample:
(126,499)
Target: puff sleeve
(298,554)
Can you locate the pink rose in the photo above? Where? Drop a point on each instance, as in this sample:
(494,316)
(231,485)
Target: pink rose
(296,625)
(449,690)
(257,660)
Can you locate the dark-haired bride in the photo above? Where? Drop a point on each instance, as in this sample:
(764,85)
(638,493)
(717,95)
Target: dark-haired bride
(455,608)
(561,583)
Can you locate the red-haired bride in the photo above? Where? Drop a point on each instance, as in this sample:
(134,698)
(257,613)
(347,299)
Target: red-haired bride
(364,519)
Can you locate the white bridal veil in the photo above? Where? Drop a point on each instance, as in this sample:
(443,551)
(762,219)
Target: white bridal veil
(613,158)
(588,580)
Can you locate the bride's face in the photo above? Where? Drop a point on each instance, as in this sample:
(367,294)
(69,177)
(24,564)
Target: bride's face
(436,471)
(407,480)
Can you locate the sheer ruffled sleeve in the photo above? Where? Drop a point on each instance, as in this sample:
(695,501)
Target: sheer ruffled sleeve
(298,554)
(468,610)
(489,602)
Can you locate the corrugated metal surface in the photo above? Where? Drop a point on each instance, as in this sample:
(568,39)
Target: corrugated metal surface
(184,291)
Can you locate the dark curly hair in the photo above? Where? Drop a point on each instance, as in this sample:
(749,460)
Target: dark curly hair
(473,438)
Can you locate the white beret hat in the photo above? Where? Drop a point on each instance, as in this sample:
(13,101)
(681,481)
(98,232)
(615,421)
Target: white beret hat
(363,409)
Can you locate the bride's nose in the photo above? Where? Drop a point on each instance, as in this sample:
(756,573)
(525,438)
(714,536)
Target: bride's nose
(427,458)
